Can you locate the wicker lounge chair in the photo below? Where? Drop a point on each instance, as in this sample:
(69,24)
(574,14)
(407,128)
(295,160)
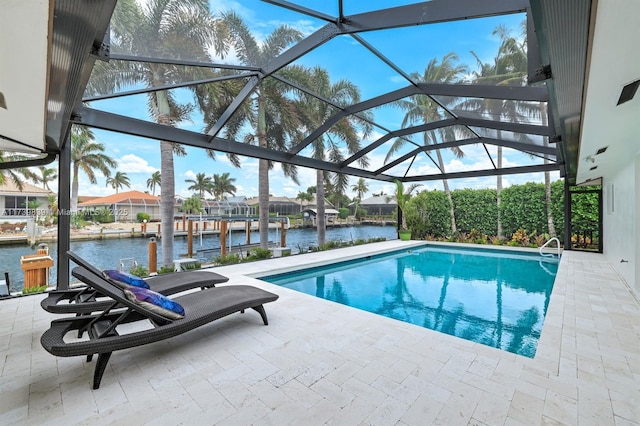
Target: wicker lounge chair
(200,308)
(86,300)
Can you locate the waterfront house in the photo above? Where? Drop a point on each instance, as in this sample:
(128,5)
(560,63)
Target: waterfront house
(376,205)
(289,206)
(125,205)
(232,206)
(15,203)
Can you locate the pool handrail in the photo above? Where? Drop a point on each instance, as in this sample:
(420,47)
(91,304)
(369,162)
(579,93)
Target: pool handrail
(546,244)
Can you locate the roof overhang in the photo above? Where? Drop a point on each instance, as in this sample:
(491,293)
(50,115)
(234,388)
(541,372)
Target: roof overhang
(24,48)
(48,48)
(609,137)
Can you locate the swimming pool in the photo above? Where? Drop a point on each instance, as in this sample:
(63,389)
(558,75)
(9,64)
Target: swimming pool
(497,298)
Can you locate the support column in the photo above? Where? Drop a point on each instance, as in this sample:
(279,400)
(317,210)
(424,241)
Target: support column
(223,238)
(190,239)
(64,210)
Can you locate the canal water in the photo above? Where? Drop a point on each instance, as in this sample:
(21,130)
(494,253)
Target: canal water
(108,253)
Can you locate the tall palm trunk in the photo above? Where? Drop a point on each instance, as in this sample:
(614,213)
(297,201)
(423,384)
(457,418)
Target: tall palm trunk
(547,181)
(263,180)
(74,188)
(445,184)
(499,190)
(547,200)
(167,190)
(167,197)
(320,218)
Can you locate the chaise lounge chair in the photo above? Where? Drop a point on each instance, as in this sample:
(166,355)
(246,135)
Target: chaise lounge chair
(200,308)
(87,300)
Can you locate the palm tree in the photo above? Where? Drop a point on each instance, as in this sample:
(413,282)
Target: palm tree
(16,175)
(424,109)
(119,180)
(331,144)
(87,155)
(179,29)
(402,196)
(304,196)
(360,188)
(47,174)
(192,205)
(222,184)
(509,68)
(270,112)
(202,183)
(153,181)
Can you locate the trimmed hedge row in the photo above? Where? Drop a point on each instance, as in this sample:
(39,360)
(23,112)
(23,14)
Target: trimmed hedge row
(522,207)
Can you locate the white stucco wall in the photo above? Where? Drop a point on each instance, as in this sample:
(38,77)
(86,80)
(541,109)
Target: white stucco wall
(621,202)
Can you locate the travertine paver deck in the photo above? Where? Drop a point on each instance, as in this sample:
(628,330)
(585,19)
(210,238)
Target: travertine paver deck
(319,362)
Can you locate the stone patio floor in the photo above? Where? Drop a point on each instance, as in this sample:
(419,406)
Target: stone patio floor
(319,362)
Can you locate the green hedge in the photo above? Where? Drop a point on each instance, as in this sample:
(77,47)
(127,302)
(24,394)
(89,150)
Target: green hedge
(522,207)
(428,215)
(476,209)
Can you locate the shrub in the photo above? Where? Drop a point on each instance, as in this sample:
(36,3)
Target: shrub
(166,270)
(32,290)
(376,239)
(495,240)
(99,215)
(192,266)
(259,254)
(520,238)
(540,240)
(360,213)
(343,213)
(462,237)
(76,221)
(476,209)
(141,216)
(523,207)
(477,237)
(428,214)
(331,245)
(139,271)
(229,259)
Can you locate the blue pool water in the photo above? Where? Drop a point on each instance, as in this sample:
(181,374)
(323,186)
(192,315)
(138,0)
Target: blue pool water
(497,298)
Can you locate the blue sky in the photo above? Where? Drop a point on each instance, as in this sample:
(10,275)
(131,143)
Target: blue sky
(344,58)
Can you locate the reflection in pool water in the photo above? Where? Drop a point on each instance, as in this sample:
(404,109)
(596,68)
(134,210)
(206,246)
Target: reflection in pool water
(491,297)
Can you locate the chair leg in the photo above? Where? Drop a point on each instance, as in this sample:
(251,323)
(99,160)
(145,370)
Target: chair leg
(101,365)
(260,309)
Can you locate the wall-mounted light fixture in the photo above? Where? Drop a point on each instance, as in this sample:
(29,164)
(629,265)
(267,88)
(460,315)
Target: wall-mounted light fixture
(628,92)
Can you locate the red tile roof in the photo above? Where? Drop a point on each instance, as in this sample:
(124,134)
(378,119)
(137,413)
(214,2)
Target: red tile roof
(133,197)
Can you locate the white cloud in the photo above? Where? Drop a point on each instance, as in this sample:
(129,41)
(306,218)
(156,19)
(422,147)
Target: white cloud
(97,190)
(189,174)
(398,79)
(131,163)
